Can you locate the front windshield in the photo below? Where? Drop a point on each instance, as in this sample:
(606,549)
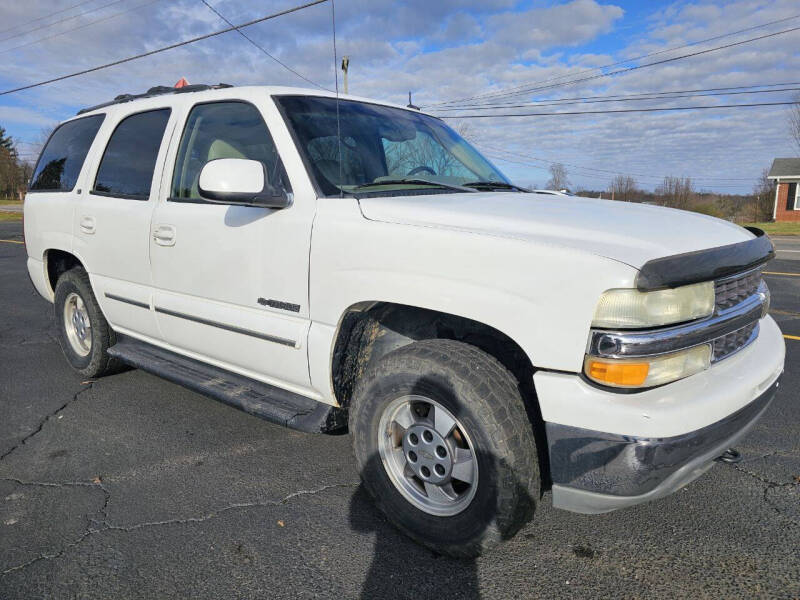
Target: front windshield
(380,146)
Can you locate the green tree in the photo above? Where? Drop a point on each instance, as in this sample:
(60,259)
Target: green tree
(6,142)
(12,174)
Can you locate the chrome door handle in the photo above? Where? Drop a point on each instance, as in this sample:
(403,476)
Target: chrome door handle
(164,235)
(88,224)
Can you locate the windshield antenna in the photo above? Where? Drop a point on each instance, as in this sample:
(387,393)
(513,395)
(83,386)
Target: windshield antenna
(336,81)
(410,104)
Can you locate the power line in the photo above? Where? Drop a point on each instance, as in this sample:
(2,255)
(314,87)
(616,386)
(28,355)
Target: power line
(594,171)
(163,49)
(735,87)
(652,64)
(603,112)
(596,177)
(614,64)
(65,19)
(254,43)
(84,26)
(607,171)
(630,98)
(52,14)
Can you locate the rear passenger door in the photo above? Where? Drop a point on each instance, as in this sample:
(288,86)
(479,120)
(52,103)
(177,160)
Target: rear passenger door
(112,227)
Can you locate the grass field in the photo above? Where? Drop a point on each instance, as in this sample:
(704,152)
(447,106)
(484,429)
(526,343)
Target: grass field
(778,228)
(6,201)
(6,217)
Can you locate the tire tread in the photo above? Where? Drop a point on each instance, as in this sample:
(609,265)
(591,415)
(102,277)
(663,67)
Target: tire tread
(501,413)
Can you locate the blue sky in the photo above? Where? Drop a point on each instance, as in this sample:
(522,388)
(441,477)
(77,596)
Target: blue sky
(442,51)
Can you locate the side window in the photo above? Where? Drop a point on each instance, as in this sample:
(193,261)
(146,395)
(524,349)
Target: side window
(62,158)
(126,170)
(215,130)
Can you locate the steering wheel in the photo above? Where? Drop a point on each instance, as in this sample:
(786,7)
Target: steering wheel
(419,169)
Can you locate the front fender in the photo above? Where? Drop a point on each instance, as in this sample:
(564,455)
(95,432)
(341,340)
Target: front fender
(542,296)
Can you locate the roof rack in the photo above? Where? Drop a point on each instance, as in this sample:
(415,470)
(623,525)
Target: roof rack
(158,90)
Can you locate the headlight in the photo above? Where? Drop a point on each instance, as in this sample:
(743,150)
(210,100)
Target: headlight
(648,372)
(630,308)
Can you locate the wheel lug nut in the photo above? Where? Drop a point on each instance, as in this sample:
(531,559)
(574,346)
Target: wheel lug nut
(413,439)
(412,456)
(427,436)
(441,452)
(426,472)
(439,470)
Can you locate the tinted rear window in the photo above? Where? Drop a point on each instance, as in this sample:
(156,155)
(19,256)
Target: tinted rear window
(127,167)
(62,158)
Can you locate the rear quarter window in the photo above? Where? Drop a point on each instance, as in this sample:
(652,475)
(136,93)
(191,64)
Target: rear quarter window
(63,156)
(126,170)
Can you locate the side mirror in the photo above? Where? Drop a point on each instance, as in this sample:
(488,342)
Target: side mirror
(240,181)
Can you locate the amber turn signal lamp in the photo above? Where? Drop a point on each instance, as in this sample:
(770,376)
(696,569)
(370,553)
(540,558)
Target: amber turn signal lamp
(618,373)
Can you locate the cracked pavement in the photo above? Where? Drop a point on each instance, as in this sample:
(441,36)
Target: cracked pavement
(132,487)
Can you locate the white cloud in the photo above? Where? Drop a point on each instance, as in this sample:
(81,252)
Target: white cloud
(568,24)
(25,116)
(443,50)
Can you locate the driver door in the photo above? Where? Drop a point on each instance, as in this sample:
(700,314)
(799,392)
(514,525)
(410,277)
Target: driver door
(231,282)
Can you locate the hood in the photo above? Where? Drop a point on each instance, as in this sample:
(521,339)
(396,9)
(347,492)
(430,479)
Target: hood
(628,232)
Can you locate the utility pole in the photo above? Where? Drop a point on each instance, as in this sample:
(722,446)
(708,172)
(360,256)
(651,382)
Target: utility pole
(345,65)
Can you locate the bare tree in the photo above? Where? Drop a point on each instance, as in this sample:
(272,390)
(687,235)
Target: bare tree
(463,128)
(42,137)
(763,197)
(794,121)
(677,192)
(623,187)
(558,177)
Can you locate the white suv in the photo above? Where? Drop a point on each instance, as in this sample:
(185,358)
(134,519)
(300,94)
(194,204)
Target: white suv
(327,262)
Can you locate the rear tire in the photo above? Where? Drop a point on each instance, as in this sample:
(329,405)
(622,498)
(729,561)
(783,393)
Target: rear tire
(483,411)
(83,332)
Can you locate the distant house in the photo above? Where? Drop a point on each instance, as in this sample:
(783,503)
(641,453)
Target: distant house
(786,173)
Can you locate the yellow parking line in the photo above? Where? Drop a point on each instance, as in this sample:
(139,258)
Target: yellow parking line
(792,337)
(777,273)
(11,242)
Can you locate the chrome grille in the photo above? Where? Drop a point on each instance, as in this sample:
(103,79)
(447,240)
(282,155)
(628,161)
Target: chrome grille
(740,300)
(724,346)
(733,290)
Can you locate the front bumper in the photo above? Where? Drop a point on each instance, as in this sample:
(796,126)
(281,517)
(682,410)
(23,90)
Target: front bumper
(609,450)
(596,472)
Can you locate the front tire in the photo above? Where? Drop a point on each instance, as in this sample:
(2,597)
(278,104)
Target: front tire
(444,446)
(83,332)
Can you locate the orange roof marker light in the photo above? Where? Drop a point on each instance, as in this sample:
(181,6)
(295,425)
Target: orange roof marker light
(181,83)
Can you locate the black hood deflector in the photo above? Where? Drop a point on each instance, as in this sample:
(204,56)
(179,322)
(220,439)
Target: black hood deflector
(705,265)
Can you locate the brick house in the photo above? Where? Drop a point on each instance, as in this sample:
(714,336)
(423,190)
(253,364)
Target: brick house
(786,174)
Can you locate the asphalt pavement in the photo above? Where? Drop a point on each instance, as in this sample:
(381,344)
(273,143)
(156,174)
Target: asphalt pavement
(132,487)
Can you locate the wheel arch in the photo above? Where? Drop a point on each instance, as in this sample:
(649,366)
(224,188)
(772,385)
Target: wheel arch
(369,330)
(57,262)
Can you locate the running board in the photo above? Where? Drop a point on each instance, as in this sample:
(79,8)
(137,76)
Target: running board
(254,397)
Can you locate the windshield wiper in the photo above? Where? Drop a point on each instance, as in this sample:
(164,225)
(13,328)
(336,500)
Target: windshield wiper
(495,185)
(444,186)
